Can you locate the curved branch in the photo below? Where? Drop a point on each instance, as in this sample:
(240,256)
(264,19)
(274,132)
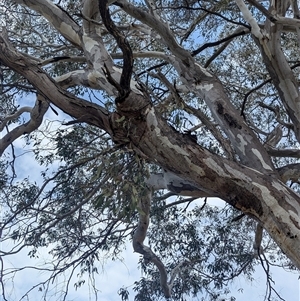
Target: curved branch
(159,26)
(282,75)
(124,46)
(212,12)
(177,270)
(257,88)
(4,121)
(237,33)
(217,53)
(139,247)
(251,91)
(57,59)
(139,237)
(93,45)
(36,118)
(87,78)
(263,10)
(255,30)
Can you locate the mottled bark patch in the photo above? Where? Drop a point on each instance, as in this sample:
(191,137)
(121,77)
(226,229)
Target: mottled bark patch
(231,121)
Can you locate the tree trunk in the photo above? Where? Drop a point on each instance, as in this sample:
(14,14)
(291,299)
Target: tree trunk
(260,195)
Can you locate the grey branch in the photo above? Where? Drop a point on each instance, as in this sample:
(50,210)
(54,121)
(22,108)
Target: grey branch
(275,136)
(293,153)
(17,114)
(149,256)
(139,237)
(290,172)
(258,238)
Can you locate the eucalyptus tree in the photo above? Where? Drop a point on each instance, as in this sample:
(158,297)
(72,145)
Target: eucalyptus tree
(165,105)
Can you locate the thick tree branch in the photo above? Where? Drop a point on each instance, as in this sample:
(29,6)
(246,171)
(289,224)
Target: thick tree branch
(139,247)
(283,79)
(139,237)
(100,62)
(278,67)
(268,41)
(255,30)
(293,153)
(87,78)
(261,193)
(93,44)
